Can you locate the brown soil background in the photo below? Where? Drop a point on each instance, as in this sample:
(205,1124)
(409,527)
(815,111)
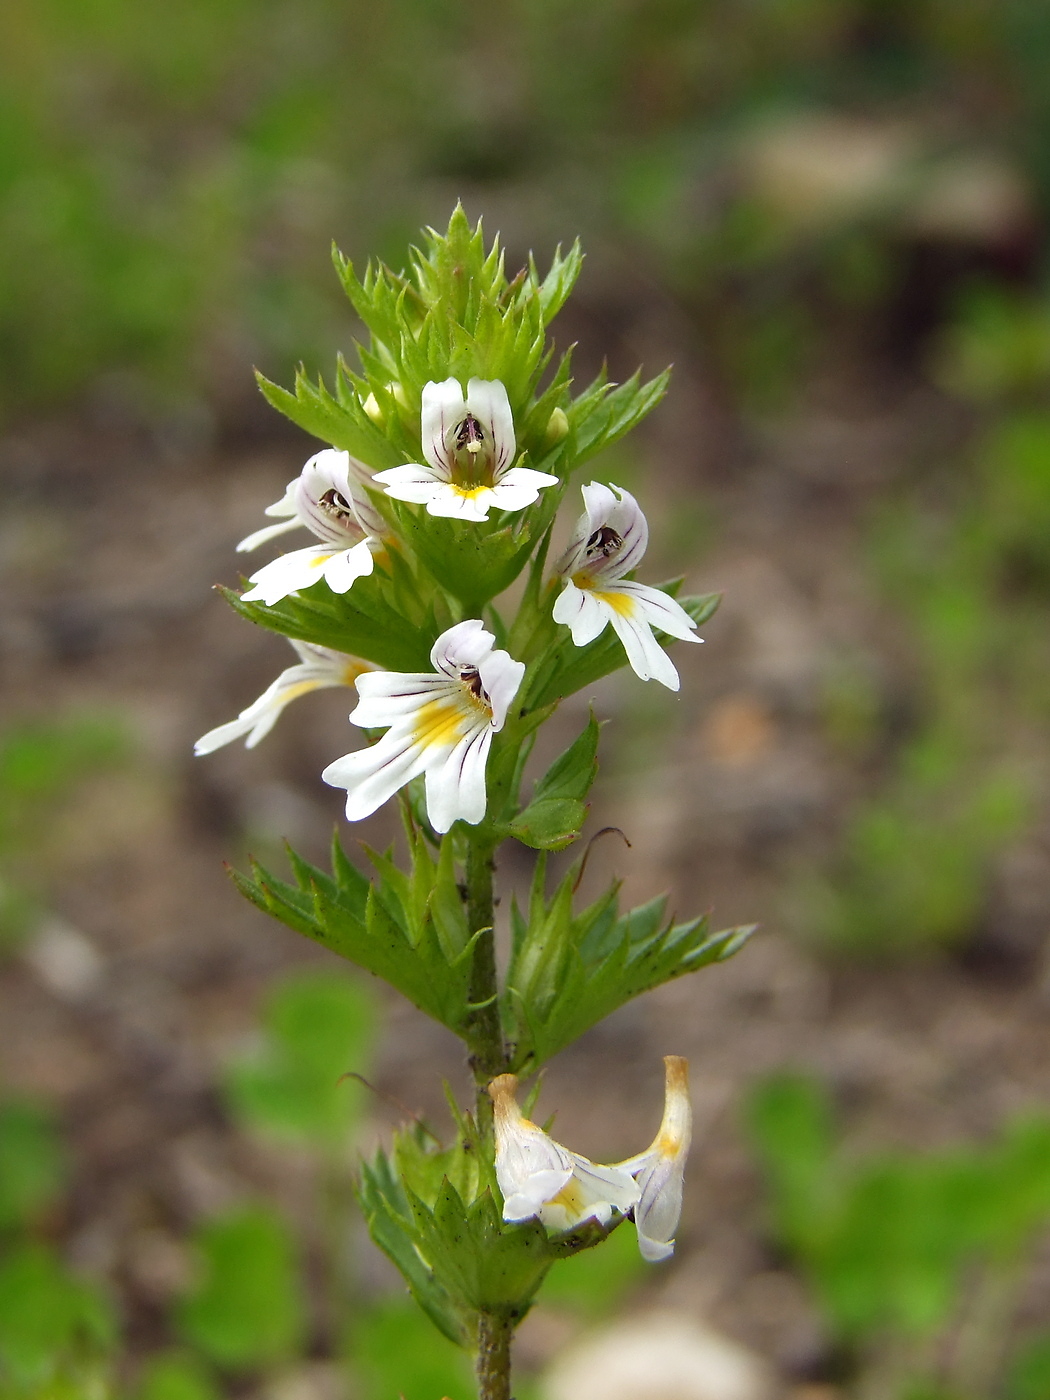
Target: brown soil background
(110,541)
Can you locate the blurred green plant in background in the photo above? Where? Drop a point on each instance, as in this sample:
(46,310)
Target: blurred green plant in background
(918,1263)
(963,558)
(268,1293)
(41,764)
(57,1331)
(167,182)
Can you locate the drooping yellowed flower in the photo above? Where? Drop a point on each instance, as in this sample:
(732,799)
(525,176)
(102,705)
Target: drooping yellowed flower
(540,1178)
(660,1169)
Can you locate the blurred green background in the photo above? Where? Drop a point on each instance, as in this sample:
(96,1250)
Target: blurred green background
(169,180)
(832,215)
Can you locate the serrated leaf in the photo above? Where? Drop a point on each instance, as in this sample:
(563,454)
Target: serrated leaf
(483,1262)
(569,972)
(476,561)
(555,288)
(550,824)
(364,625)
(392,1228)
(445,903)
(552,820)
(603,413)
(341,424)
(380,936)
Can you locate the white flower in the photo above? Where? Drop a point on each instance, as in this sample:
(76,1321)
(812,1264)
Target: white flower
(540,1178)
(319,667)
(659,1170)
(468,443)
(328,497)
(441,724)
(608,542)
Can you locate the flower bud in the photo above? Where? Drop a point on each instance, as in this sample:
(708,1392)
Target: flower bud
(372,408)
(557,427)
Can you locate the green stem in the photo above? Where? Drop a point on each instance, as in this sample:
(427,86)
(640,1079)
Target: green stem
(488,1057)
(485,1030)
(493,1363)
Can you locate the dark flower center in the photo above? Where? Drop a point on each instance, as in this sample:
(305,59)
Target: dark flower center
(603,543)
(469,677)
(337,507)
(470,436)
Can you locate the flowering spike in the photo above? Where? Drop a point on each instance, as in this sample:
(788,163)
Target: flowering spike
(468,345)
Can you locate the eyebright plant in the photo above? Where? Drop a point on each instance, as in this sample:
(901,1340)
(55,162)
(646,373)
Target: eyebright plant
(447,457)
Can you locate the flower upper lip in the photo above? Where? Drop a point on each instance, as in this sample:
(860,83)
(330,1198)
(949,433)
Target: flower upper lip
(331,504)
(468,449)
(610,538)
(330,499)
(478,426)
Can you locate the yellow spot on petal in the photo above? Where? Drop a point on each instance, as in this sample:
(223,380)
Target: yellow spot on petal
(570,1197)
(440,724)
(469,493)
(352,670)
(294,691)
(622,603)
(321,560)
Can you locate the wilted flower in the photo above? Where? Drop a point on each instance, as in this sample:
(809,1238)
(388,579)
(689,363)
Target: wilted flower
(329,498)
(441,724)
(540,1178)
(608,542)
(319,667)
(469,446)
(659,1170)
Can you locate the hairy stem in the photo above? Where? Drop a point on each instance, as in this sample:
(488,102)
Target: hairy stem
(487,1059)
(493,1363)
